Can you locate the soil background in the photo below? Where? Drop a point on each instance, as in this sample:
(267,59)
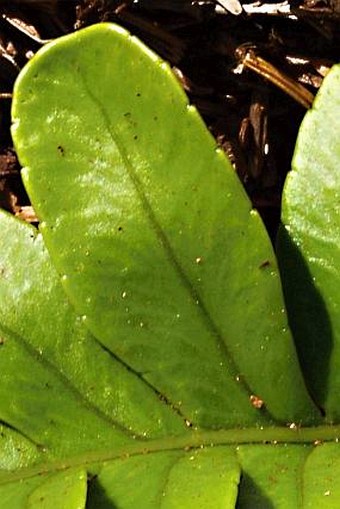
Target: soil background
(253,120)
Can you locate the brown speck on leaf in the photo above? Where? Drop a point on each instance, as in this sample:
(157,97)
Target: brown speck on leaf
(256,401)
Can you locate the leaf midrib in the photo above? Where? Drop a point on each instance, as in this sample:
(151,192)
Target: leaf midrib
(53,368)
(191,440)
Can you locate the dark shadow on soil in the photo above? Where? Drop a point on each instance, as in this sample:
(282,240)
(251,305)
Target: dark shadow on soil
(307,316)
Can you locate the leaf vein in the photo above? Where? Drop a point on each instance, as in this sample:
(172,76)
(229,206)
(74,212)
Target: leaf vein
(51,367)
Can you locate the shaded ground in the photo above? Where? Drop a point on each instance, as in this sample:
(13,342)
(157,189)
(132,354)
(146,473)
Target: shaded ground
(207,44)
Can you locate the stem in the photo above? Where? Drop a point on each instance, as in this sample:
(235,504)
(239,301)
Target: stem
(278,78)
(267,436)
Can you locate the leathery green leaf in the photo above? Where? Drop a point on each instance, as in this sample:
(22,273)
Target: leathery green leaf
(99,396)
(118,392)
(204,478)
(273,473)
(64,395)
(289,476)
(309,247)
(157,245)
(65,490)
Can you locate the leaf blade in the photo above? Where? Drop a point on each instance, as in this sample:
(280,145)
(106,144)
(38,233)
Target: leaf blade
(162,230)
(61,353)
(65,490)
(309,246)
(205,478)
(272,475)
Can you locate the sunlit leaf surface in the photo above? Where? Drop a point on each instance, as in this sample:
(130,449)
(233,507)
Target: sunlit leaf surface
(145,355)
(310,245)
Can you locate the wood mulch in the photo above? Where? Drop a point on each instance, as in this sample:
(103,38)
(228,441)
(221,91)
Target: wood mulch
(221,51)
